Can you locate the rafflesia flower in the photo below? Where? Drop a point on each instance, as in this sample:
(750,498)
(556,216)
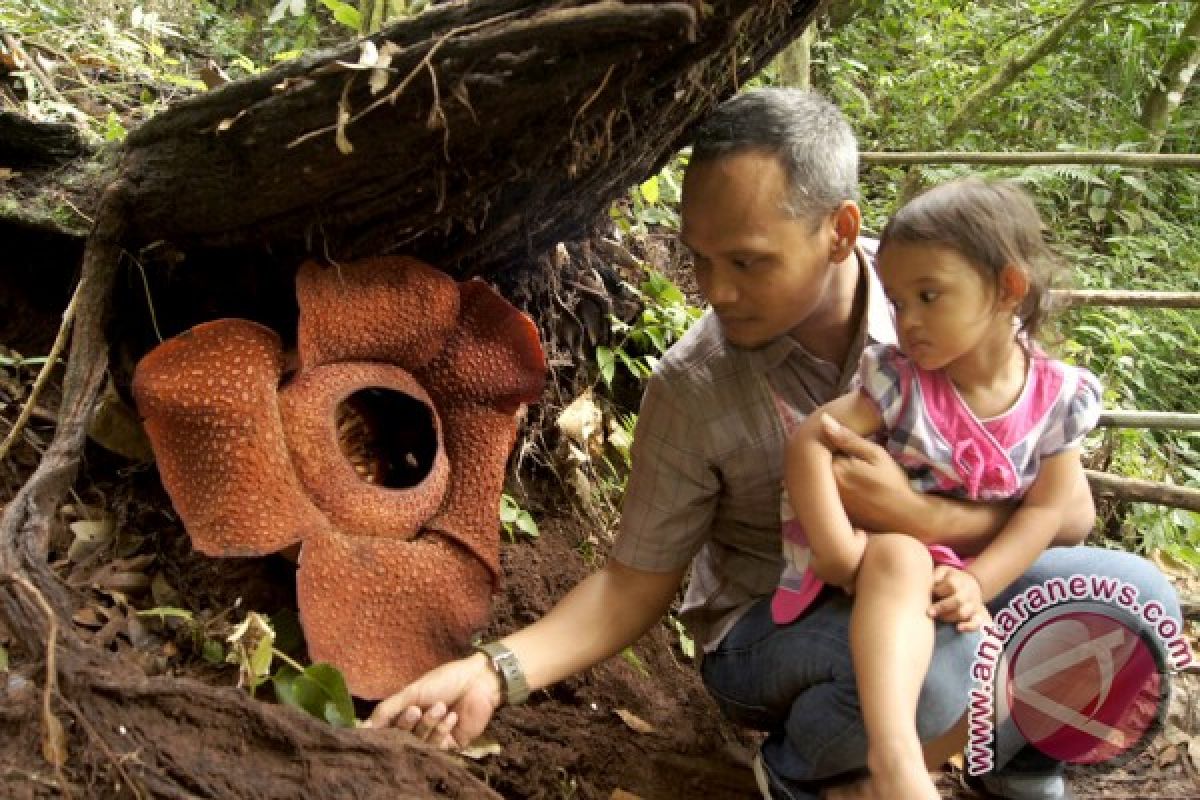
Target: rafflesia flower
(384,454)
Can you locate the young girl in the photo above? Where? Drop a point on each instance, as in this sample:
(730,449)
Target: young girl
(970,407)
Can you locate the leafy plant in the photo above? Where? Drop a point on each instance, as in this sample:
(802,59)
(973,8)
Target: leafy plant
(515,519)
(319,690)
(665,317)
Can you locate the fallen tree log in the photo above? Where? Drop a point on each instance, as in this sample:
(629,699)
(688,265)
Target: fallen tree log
(501,129)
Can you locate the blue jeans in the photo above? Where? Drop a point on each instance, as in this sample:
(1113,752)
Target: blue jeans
(797,681)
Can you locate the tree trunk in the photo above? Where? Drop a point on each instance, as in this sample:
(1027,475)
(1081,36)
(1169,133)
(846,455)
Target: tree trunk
(794,63)
(1173,80)
(501,128)
(969,109)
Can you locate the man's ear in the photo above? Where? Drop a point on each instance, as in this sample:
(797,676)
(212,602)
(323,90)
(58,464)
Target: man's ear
(1014,285)
(847,220)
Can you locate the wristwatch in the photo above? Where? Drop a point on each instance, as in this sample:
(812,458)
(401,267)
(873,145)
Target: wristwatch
(506,665)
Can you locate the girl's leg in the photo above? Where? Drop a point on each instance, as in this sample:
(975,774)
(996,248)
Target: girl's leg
(891,637)
(797,683)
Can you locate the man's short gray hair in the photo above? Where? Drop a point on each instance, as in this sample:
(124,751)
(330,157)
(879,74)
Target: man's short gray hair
(809,135)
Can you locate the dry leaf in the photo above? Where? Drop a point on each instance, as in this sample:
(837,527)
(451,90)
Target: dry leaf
(115,426)
(87,617)
(368,56)
(54,741)
(1170,565)
(621,794)
(582,422)
(481,748)
(343,119)
(6,173)
(91,535)
(1167,756)
(380,74)
(228,122)
(634,722)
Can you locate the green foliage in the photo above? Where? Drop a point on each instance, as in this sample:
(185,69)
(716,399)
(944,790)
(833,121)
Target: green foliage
(319,690)
(635,661)
(654,203)
(516,520)
(665,317)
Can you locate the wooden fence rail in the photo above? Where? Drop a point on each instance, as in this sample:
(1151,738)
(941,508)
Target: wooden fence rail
(1102,157)
(1071,298)
(1132,489)
(1150,420)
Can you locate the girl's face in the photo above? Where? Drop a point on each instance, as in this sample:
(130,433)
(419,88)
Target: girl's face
(944,307)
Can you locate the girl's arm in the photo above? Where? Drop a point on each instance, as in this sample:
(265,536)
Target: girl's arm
(808,474)
(1032,527)
(877,496)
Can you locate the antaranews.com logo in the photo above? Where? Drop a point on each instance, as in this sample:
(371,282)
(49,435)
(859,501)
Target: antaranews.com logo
(1076,667)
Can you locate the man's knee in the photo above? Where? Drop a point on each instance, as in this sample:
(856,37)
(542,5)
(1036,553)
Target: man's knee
(943,698)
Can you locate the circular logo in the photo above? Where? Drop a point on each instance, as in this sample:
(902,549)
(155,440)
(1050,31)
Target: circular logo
(1085,687)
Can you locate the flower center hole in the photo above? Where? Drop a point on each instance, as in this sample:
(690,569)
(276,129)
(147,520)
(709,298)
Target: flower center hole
(388,436)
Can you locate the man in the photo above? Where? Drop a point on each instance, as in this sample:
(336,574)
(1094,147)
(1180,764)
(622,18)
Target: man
(769,215)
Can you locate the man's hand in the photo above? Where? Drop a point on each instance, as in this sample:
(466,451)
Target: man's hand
(958,598)
(873,487)
(447,707)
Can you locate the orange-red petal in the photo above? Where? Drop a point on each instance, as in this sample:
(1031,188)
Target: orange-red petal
(493,357)
(478,440)
(392,309)
(309,406)
(208,397)
(385,611)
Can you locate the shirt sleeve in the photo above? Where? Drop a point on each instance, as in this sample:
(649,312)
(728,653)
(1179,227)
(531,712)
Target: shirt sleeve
(1080,415)
(881,375)
(671,495)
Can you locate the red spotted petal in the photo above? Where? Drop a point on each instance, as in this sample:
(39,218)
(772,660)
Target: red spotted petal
(385,611)
(478,439)
(392,309)
(208,399)
(494,356)
(412,432)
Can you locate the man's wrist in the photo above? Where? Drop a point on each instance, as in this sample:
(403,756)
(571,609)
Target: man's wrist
(495,682)
(503,663)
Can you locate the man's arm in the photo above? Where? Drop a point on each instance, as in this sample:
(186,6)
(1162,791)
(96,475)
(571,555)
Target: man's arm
(608,611)
(877,496)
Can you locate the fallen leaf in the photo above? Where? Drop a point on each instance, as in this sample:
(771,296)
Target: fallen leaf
(87,617)
(1167,756)
(621,794)
(343,119)
(634,722)
(228,122)
(6,173)
(368,56)
(380,74)
(54,741)
(90,536)
(481,748)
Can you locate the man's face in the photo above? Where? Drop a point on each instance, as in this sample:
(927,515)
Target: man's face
(764,272)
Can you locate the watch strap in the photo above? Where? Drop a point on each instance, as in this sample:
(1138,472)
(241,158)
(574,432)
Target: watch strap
(506,665)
